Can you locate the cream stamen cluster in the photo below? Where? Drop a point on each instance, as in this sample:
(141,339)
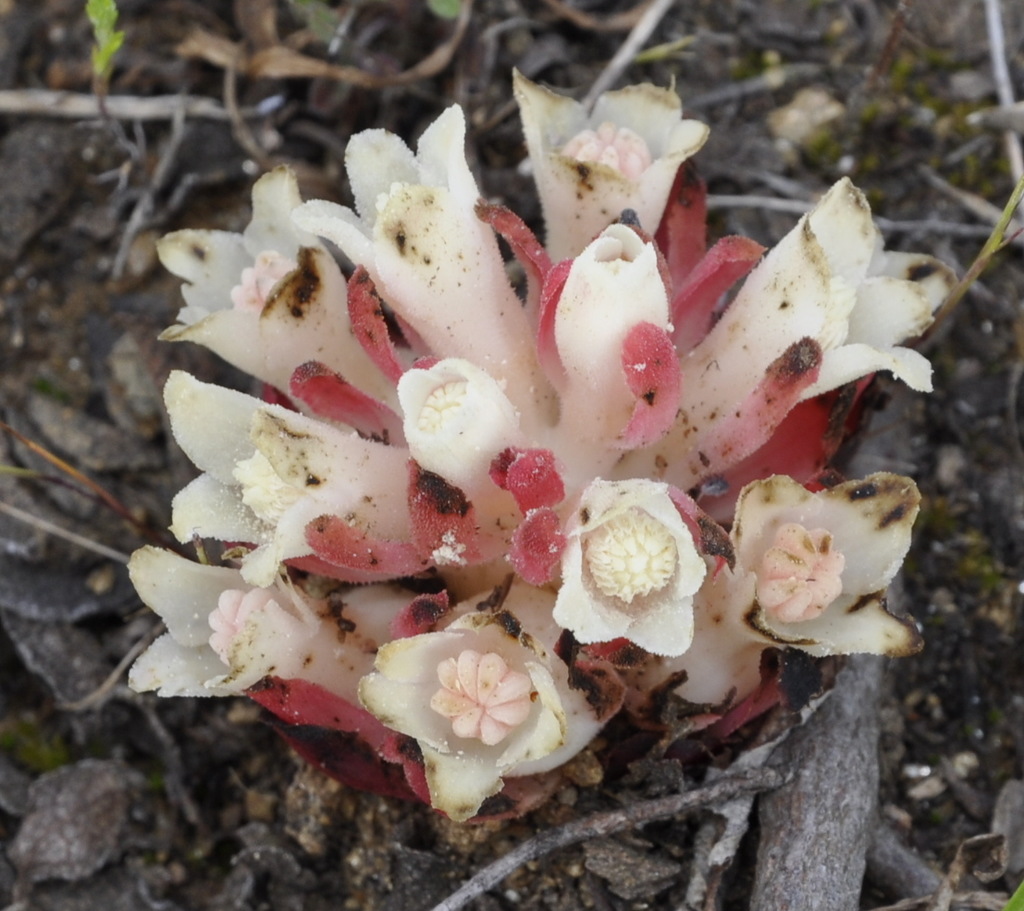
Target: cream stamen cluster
(631,555)
(442,405)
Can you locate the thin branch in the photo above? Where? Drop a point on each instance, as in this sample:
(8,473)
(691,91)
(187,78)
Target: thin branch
(629,48)
(799,207)
(147,201)
(619,22)
(85,106)
(1004,85)
(601,824)
(99,695)
(50,528)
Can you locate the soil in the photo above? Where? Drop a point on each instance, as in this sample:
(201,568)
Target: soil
(110,799)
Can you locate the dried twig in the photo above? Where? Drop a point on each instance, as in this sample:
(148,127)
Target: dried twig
(282,62)
(799,207)
(600,824)
(83,106)
(99,695)
(58,532)
(629,48)
(825,812)
(769,81)
(1004,85)
(892,42)
(147,201)
(619,22)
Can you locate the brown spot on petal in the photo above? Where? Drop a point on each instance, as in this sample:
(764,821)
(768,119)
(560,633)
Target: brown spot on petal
(444,498)
(753,619)
(714,541)
(797,360)
(335,608)
(426,610)
(865,601)
(297,290)
(408,748)
(584,173)
(199,252)
(600,686)
(495,805)
(509,624)
(894,515)
(921,271)
(862,492)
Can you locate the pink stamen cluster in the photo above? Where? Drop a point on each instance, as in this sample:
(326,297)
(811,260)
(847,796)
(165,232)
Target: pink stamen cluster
(258,280)
(800,574)
(482,696)
(617,147)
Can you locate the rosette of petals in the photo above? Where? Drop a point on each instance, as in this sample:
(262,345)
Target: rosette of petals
(269,299)
(419,238)
(484,700)
(630,568)
(269,472)
(825,299)
(617,374)
(590,167)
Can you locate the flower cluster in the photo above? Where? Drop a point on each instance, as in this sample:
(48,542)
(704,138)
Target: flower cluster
(468,524)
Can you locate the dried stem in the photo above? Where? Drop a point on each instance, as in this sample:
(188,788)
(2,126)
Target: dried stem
(601,824)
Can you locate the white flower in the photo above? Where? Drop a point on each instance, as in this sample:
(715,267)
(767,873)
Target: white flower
(590,167)
(269,472)
(630,568)
(846,544)
(269,299)
(613,286)
(810,572)
(419,238)
(457,420)
(224,636)
(484,699)
(827,283)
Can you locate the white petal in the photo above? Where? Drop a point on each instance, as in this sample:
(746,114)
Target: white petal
(182,592)
(208,509)
(851,362)
(176,670)
(210,423)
